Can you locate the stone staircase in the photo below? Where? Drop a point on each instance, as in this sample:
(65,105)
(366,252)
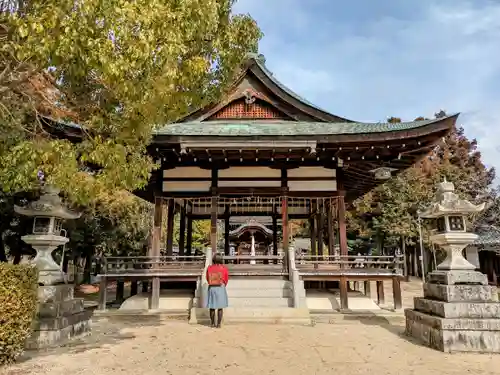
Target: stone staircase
(257,299)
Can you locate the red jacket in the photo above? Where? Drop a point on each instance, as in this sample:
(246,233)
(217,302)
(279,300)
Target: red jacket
(217,274)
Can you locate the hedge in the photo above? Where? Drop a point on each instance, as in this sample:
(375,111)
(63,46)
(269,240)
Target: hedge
(18,306)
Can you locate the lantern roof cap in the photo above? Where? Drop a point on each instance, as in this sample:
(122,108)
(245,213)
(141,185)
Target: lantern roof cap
(447,202)
(48,205)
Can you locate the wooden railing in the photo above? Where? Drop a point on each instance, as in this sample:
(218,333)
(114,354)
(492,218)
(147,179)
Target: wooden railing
(256,265)
(149,265)
(349,264)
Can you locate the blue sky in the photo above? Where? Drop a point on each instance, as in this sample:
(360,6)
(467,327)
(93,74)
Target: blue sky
(371,59)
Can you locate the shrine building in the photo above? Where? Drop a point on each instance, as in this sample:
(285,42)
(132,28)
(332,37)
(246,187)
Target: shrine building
(264,151)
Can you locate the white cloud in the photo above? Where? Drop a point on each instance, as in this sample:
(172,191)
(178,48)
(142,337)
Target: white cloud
(439,55)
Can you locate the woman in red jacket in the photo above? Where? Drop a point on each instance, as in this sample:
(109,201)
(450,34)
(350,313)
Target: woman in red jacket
(217,277)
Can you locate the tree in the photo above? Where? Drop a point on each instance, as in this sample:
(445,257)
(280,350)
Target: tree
(389,212)
(115,67)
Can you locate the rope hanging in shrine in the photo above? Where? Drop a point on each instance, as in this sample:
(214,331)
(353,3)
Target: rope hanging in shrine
(203,205)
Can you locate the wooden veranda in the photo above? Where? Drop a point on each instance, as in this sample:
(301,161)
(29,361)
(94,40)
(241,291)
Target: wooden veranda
(341,268)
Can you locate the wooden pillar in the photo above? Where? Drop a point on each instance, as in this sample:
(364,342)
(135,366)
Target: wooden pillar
(134,287)
(182,229)
(342,227)
(380,293)
(189,236)
(170,226)
(120,291)
(313,229)
(226,231)
(331,235)
(213,225)
(344,301)
(284,221)
(275,233)
(103,293)
(415,262)
(154,302)
(367,288)
(320,208)
(396,292)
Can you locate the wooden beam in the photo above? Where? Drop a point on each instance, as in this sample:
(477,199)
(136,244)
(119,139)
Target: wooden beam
(344,301)
(170,226)
(189,237)
(226,231)
(275,233)
(284,221)
(367,288)
(320,208)
(380,293)
(103,293)
(155,251)
(342,227)
(396,292)
(331,235)
(213,225)
(182,229)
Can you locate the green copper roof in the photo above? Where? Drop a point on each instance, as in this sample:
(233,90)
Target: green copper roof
(284,128)
(488,235)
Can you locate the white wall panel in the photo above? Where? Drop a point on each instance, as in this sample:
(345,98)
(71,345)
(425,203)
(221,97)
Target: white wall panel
(185,172)
(311,172)
(186,186)
(249,172)
(312,185)
(253,184)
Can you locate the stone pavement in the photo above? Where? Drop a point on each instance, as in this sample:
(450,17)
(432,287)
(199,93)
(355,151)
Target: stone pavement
(355,347)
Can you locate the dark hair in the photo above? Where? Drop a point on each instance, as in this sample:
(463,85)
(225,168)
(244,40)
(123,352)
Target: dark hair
(217,259)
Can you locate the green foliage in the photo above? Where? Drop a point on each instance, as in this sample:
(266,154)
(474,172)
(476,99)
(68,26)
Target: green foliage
(18,301)
(118,68)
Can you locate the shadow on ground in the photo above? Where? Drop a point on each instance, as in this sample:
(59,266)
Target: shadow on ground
(393,324)
(105,332)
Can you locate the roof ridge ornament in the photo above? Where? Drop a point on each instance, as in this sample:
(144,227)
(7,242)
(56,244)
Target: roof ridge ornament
(448,202)
(259,57)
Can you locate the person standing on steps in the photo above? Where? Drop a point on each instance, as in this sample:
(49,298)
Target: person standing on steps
(217,278)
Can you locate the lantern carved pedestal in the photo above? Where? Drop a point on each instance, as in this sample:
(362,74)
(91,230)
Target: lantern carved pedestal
(459,312)
(60,316)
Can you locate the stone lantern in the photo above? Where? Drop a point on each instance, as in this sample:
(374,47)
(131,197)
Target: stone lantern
(60,316)
(449,214)
(459,311)
(48,213)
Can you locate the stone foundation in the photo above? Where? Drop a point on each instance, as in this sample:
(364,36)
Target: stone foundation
(60,317)
(453,317)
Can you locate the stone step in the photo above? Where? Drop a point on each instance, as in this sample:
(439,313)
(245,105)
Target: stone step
(258,283)
(260,293)
(232,315)
(168,301)
(62,308)
(260,302)
(55,293)
(469,310)
(460,293)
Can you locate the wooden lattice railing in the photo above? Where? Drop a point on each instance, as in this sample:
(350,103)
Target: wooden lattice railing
(144,265)
(382,264)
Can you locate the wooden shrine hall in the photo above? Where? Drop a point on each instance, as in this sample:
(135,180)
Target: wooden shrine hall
(264,151)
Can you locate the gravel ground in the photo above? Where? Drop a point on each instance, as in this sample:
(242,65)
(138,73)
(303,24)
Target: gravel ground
(346,347)
(177,348)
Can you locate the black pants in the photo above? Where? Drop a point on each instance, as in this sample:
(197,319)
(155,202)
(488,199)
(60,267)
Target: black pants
(219,317)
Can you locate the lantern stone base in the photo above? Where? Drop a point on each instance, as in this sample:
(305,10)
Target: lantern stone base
(461,317)
(60,317)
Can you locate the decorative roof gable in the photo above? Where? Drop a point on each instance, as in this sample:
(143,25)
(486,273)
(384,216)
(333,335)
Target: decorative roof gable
(257,94)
